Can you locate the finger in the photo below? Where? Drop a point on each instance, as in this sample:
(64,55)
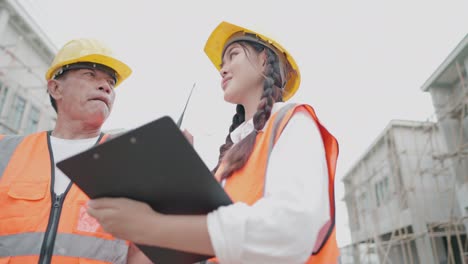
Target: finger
(95,213)
(100,214)
(188,136)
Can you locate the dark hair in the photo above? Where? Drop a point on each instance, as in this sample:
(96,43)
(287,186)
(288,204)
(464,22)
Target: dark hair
(235,157)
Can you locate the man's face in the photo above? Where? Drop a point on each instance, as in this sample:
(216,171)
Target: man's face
(85,95)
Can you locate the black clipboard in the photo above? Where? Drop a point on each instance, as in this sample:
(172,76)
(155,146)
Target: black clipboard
(154,164)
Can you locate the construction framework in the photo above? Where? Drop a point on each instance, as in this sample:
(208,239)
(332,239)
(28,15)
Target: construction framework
(448,171)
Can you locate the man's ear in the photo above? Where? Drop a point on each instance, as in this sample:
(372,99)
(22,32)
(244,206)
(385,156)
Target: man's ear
(54,89)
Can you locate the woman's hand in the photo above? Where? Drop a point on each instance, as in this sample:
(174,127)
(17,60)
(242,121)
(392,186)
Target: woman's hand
(124,218)
(139,223)
(188,136)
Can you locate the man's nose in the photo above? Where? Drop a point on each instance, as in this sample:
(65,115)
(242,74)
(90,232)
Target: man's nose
(105,86)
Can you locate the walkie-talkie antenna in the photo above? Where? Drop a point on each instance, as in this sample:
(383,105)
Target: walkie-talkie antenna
(179,122)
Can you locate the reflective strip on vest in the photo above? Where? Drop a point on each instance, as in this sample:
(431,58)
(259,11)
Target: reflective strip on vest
(276,125)
(8,145)
(69,245)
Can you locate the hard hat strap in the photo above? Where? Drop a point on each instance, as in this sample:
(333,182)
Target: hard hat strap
(85,65)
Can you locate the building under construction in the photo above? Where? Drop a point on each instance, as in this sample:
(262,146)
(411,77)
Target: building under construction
(25,54)
(407,197)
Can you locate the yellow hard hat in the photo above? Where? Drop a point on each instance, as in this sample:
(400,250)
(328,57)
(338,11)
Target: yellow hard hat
(88,50)
(223,35)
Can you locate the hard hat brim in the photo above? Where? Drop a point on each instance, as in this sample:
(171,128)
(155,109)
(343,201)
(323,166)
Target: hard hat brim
(122,70)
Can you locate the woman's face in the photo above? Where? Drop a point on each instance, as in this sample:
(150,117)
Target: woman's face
(242,73)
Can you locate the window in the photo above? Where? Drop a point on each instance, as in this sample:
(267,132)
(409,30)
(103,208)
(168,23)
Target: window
(382,191)
(3,95)
(33,120)
(363,201)
(15,117)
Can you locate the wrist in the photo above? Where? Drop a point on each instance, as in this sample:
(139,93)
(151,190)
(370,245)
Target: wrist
(153,229)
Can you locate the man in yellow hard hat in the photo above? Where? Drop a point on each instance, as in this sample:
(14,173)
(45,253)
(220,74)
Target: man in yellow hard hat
(43,216)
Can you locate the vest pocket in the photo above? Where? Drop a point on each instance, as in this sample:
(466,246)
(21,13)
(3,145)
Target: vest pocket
(30,191)
(21,197)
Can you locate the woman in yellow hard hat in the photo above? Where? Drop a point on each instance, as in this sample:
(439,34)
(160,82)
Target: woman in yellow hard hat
(277,164)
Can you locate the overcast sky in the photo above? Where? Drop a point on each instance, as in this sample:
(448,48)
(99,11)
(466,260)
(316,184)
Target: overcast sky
(362,62)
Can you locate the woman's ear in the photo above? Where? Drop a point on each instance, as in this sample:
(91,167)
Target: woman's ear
(262,56)
(54,89)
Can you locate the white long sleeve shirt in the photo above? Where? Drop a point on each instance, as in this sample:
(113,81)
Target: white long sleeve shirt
(282,226)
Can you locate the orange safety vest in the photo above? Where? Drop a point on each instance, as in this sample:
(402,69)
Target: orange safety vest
(247,184)
(36,226)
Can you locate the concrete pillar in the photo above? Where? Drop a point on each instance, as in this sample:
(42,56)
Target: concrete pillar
(419,227)
(423,246)
(356,254)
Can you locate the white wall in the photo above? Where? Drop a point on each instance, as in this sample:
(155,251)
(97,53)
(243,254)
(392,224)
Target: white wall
(23,74)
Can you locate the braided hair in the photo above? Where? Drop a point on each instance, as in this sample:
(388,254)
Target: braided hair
(235,156)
